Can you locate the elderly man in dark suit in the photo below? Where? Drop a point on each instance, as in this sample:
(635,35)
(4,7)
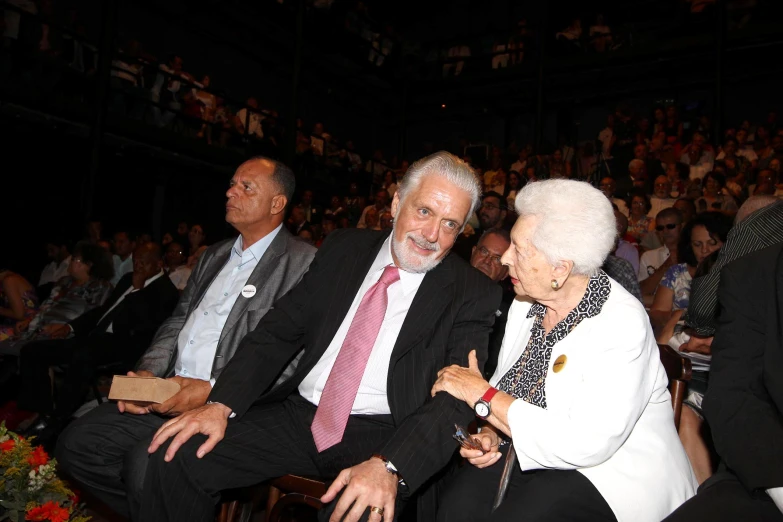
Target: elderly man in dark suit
(744,401)
(233,285)
(378,315)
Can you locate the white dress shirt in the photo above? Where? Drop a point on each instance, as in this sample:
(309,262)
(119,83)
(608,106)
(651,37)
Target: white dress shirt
(651,260)
(121,268)
(657,204)
(54,271)
(198,340)
(130,290)
(371,398)
(179,276)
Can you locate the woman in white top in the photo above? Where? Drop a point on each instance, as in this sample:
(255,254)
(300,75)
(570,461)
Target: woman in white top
(579,387)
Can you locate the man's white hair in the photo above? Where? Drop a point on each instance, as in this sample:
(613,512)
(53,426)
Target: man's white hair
(575,222)
(448,166)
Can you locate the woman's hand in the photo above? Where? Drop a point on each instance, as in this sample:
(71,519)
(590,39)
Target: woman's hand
(465,384)
(489,442)
(702,345)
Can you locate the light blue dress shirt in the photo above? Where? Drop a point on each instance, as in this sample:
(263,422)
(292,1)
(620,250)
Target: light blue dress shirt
(198,340)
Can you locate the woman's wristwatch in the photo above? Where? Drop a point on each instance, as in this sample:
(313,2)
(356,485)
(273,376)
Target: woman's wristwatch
(482,407)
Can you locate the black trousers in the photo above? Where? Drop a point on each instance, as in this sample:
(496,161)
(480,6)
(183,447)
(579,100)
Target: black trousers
(540,496)
(722,497)
(82,355)
(106,452)
(268,442)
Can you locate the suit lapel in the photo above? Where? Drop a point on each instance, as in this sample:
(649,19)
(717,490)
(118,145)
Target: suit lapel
(261,273)
(428,303)
(211,271)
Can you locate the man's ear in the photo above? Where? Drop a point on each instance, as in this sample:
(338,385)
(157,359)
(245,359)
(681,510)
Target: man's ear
(395,204)
(278,204)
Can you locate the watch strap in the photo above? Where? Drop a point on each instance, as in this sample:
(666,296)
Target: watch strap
(489,394)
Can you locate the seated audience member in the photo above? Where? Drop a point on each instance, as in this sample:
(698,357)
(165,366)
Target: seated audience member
(696,158)
(386,221)
(93,231)
(623,249)
(328,225)
(609,186)
(306,235)
(85,287)
(336,208)
(699,238)
(234,283)
(371,218)
(123,255)
(621,271)
(313,213)
(297,221)
(575,327)
(197,241)
(638,221)
(174,262)
(744,402)
(371,356)
(60,257)
(18,302)
(686,207)
(118,331)
(661,197)
(758,225)
(653,264)
(491,214)
(381,205)
(486,258)
(714,199)
(389,183)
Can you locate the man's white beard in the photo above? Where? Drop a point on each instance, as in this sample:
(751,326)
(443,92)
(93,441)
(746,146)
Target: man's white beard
(409,259)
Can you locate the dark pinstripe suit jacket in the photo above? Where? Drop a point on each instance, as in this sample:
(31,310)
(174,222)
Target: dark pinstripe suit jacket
(451,314)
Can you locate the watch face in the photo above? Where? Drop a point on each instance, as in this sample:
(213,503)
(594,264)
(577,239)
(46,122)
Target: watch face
(482,410)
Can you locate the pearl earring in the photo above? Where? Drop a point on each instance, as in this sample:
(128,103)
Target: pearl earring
(555,284)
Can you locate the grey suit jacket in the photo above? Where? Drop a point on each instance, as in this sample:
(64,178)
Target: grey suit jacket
(279,270)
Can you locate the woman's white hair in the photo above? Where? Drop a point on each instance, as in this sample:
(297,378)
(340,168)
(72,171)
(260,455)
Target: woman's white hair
(448,166)
(575,222)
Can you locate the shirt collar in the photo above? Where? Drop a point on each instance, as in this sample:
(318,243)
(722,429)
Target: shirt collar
(410,281)
(598,288)
(255,251)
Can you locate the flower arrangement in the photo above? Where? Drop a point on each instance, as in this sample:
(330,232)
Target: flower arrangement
(29,486)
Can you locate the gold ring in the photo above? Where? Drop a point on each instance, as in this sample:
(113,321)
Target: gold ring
(378,510)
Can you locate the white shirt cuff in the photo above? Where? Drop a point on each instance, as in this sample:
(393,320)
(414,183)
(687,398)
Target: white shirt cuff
(776,494)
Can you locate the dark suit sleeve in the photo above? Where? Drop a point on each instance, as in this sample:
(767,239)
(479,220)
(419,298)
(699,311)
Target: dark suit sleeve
(266,351)
(422,444)
(746,426)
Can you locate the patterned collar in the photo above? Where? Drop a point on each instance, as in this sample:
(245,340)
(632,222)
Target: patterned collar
(598,289)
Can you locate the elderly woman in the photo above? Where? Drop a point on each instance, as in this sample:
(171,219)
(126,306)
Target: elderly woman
(85,287)
(579,387)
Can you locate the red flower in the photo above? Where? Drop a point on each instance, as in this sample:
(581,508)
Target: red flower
(51,511)
(38,458)
(7,445)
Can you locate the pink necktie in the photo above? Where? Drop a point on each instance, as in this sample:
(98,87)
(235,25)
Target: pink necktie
(343,382)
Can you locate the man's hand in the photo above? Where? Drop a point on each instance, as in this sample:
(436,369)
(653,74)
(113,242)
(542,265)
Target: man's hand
(130,407)
(489,443)
(56,331)
(138,279)
(464,384)
(210,420)
(702,345)
(192,394)
(366,485)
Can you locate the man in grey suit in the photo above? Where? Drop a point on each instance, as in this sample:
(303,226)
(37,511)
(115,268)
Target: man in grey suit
(233,285)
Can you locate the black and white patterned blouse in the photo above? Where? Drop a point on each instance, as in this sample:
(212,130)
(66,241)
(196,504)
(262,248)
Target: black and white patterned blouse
(525,380)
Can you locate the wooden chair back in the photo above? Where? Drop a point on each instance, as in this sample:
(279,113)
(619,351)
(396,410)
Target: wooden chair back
(679,371)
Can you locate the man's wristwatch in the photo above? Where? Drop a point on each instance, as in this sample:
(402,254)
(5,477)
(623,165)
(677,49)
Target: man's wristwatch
(482,406)
(389,467)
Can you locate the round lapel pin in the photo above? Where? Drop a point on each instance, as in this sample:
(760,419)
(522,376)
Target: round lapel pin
(248,291)
(560,363)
